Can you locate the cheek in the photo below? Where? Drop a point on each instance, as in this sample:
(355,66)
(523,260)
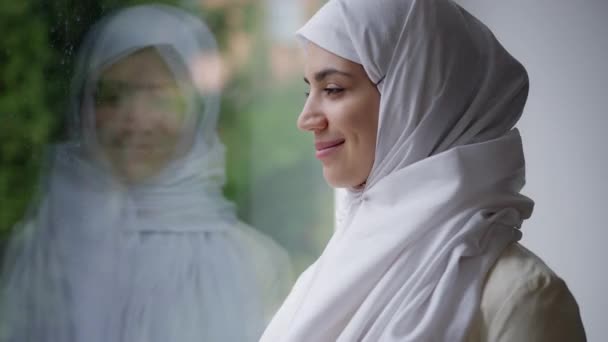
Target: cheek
(103,117)
(360,119)
(363,125)
(170,126)
(106,123)
(174,123)
(370,108)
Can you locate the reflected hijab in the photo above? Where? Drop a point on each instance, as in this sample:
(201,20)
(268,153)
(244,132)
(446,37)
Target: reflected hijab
(186,194)
(411,250)
(85,210)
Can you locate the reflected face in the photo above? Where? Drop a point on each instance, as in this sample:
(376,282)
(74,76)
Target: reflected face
(139,115)
(341,110)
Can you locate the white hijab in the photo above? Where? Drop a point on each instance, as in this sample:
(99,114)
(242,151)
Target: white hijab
(408,258)
(189,187)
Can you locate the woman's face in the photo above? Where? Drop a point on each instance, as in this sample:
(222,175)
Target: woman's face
(139,115)
(342,112)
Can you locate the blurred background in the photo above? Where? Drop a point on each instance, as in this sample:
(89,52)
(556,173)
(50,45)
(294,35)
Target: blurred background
(272,174)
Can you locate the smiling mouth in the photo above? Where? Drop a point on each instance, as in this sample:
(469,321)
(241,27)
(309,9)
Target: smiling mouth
(324,149)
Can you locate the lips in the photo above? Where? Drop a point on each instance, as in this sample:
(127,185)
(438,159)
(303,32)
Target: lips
(323,145)
(326,148)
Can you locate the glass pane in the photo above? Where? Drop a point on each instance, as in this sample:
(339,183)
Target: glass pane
(153,183)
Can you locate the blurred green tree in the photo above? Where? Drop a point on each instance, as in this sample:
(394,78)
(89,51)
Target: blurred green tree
(25,104)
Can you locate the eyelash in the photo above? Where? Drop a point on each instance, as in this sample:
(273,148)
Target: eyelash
(332,91)
(329,91)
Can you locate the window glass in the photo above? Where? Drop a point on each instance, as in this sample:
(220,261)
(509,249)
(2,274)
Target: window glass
(114,192)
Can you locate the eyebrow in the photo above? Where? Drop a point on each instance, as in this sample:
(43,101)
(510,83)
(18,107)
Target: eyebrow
(320,75)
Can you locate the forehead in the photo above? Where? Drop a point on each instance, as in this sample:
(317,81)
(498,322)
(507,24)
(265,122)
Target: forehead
(142,66)
(318,59)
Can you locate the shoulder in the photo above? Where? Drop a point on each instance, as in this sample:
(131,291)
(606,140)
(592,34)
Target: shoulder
(517,269)
(258,245)
(270,263)
(524,300)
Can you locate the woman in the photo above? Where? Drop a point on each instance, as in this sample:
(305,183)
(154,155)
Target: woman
(412,105)
(133,240)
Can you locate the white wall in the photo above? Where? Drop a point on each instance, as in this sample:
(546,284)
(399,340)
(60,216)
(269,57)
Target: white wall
(564,46)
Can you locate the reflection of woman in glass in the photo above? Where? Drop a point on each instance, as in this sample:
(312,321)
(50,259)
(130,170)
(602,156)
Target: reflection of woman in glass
(412,105)
(133,240)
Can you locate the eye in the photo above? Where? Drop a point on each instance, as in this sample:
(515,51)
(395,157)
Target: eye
(333,90)
(107,98)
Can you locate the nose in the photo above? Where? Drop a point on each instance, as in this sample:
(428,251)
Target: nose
(312,118)
(137,114)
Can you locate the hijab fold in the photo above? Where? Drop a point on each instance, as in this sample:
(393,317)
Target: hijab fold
(189,187)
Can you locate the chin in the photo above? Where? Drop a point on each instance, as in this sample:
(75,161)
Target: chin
(338,179)
(136,173)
